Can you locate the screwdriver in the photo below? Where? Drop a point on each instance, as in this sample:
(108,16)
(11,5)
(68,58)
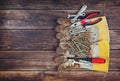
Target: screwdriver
(92,60)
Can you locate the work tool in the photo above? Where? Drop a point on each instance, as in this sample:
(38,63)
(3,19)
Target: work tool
(92,60)
(69,16)
(80,13)
(87,20)
(80,25)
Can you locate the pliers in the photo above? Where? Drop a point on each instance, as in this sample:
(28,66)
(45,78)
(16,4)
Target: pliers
(88,21)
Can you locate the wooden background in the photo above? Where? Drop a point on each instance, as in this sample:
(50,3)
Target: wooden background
(28,43)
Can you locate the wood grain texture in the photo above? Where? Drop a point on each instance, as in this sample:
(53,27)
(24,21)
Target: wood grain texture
(28,43)
(28,40)
(28,19)
(40,39)
(50,4)
(54,76)
(46,19)
(112,14)
(113,3)
(41,60)
(41,54)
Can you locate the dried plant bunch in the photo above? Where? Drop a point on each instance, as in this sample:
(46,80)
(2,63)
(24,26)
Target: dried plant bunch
(59,59)
(80,44)
(60,28)
(72,45)
(65,53)
(63,45)
(67,65)
(59,50)
(64,21)
(63,36)
(78,39)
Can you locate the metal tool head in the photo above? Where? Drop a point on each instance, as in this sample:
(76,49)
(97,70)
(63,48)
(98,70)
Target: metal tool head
(76,28)
(80,13)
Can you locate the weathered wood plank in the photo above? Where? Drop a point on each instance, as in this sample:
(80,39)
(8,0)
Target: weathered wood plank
(27,40)
(28,60)
(46,19)
(31,19)
(114,36)
(50,4)
(28,19)
(113,3)
(39,39)
(114,39)
(31,54)
(54,76)
(113,18)
(41,54)
(36,64)
(40,60)
(115,54)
